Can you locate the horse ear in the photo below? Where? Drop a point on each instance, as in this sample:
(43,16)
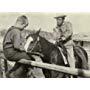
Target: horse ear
(38,31)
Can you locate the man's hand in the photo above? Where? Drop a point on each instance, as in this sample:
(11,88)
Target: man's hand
(22,49)
(25,61)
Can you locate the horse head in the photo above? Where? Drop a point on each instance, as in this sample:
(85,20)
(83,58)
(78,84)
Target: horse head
(32,42)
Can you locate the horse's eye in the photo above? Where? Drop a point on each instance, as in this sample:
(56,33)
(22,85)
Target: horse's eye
(32,41)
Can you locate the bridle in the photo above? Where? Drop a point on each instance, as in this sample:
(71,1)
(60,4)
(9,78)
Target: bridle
(34,45)
(33,52)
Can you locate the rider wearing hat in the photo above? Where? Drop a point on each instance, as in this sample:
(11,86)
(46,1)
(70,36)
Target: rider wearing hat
(63,33)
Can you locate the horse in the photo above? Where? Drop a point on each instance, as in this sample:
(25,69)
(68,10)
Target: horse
(52,54)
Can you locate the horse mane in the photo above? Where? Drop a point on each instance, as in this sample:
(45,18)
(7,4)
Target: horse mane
(47,46)
(44,40)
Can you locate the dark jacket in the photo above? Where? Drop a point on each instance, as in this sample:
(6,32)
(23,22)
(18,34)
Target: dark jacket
(14,39)
(13,42)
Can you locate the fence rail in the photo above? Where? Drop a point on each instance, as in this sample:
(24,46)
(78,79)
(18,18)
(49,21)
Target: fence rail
(78,72)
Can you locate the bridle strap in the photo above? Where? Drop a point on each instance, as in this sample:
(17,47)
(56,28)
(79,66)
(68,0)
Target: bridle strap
(34,45)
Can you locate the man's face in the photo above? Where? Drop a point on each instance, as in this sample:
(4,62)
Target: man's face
(59,21)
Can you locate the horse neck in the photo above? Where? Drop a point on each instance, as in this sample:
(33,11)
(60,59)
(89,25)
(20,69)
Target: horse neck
(45,46)
(49,50)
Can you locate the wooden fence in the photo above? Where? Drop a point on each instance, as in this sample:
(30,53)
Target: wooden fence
(72,71)
(68,70)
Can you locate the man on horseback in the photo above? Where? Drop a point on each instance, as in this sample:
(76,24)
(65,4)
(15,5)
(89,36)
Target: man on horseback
(13,47)
(63,33)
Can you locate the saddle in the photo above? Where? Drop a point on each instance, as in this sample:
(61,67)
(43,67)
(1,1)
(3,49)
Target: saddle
(79,53)
(82,57)
(78,50)
(63,51)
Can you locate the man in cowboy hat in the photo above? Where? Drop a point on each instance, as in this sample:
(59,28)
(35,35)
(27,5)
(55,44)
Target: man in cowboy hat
(63,32)
(13,47)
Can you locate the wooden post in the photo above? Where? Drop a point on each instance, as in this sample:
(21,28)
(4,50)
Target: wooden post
(72,71)
(3,68)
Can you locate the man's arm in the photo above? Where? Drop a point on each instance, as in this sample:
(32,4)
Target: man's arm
(56,34)
(68,31)
(17,41)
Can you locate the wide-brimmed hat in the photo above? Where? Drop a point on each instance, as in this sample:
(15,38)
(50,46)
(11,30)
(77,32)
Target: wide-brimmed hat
(61,16)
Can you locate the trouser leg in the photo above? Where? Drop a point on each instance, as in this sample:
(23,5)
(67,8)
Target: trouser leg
(18,71)
(71,58)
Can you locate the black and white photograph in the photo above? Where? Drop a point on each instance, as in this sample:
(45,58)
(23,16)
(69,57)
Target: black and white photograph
(44,45)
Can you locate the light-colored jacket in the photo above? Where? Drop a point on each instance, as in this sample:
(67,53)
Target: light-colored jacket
(64,31)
